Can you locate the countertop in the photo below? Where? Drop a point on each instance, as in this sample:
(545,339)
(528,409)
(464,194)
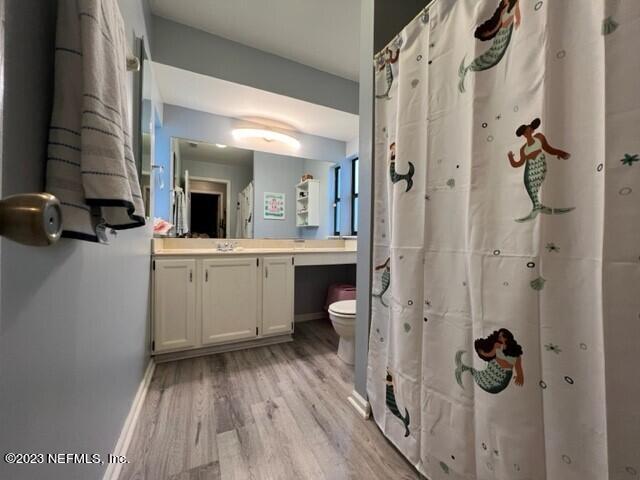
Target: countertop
(247,251)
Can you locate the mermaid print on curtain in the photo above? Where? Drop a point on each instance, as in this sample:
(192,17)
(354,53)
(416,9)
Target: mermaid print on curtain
(506,269)
(499,29)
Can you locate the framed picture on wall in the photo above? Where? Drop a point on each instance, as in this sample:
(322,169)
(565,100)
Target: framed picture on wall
(274,206)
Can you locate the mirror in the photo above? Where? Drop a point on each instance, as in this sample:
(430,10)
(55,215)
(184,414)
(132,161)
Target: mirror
(222,191)
(144,117)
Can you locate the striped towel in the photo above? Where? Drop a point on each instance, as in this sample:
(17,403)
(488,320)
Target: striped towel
(90,164)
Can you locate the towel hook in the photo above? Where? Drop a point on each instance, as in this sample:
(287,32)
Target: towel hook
(31,218)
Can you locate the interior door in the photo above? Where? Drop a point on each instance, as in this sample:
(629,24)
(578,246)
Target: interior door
(174,309)
(2,41)
(229,299)
(277,295)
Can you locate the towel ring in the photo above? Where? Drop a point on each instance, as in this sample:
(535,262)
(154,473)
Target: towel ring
(133,63)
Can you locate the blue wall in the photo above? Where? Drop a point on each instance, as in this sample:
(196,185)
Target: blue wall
(162,197)
(74,334)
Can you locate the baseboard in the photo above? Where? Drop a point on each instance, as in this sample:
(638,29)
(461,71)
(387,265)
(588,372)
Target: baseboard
(230,347)
(360,405)
(122,445)
(306,317)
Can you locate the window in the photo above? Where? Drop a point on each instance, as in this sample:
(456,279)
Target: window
(337,184)
(354,195)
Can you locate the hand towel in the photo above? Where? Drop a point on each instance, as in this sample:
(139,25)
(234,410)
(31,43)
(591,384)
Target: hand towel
(90,163)
(180,213)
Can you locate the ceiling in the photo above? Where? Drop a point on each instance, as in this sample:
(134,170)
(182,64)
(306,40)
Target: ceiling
(206,152)
(323,34)
(220,97)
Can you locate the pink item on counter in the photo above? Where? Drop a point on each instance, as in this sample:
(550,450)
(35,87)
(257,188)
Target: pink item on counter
(339,291)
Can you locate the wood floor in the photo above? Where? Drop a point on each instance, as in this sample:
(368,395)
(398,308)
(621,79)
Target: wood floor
(278,412)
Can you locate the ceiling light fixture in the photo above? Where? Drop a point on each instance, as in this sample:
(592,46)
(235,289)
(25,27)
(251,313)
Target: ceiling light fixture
(267,135)
(220,145)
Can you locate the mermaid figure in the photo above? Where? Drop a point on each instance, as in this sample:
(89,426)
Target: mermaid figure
(502,354)
(535,171)
(386,280)
(397,177)
(393,406)
(499,28)
(389,58)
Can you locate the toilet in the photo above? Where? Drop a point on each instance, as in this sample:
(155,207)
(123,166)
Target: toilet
(343,318)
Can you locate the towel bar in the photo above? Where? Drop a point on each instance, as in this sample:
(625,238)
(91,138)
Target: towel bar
(31,218)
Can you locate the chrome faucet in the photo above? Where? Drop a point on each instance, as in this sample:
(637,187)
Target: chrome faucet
(226,246)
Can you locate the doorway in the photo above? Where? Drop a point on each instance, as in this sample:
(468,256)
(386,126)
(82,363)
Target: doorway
(209,207)
(205,218)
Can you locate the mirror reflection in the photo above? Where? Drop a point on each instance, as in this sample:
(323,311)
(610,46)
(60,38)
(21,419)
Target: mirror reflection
(146,130)
(231,161)
(222,191)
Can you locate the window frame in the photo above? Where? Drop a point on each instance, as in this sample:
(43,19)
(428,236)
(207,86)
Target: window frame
(336,199)
(355,165)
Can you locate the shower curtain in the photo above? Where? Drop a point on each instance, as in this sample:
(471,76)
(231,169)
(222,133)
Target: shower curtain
(506,277)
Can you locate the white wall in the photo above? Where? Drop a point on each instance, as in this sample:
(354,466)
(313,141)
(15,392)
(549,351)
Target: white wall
(352,148)
(74,316)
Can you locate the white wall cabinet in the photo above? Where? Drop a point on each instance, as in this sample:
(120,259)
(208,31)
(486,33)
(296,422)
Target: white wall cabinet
(216,301)
(277,295)
(229,299)
(308,204)
(174,292)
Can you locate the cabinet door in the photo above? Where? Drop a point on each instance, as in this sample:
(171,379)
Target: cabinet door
(229,299)
(174,308)
(277,295)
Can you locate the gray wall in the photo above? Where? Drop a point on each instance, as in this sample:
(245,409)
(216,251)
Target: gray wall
(363,270)
(73,318)
(389,18)
(312,283)
(239,175)
(201,52)
(276,174)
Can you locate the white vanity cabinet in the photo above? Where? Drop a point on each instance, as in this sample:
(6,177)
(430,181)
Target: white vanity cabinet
(277,295)
(211,301)
(229,299)
(174,293)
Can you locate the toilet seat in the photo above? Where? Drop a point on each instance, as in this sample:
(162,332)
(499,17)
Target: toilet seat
(343,308)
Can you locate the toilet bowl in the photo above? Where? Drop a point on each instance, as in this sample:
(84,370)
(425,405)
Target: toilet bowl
(343,318)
